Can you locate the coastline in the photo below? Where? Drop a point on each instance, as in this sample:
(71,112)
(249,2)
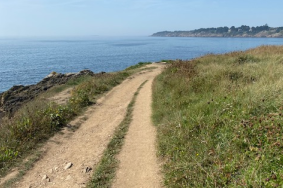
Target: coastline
(243,31)
(208,36)
(12,99)
(33,59)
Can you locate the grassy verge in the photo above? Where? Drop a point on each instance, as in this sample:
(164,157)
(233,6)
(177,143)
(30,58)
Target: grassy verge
(39,119)
(139,65)
(70,84)
(220,120)
(106,170)
(23,168)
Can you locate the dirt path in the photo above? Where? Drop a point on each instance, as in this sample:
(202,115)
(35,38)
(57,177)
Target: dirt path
(84,147)
(62,97)
(138,162)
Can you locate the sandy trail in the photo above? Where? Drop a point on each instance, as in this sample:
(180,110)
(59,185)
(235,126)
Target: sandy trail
(84,147)
(138,161)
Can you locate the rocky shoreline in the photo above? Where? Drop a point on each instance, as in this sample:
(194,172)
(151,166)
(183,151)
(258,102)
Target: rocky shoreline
(12,99)
(240,32)
(204,34)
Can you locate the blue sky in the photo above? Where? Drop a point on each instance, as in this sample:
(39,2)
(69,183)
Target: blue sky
(131,17)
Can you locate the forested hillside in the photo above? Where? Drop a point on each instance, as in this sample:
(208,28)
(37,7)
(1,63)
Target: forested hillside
(242,31)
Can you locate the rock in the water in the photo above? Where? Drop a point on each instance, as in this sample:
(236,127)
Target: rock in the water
(68,165)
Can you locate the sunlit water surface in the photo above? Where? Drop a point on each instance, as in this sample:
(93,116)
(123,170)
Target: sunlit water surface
(26,61)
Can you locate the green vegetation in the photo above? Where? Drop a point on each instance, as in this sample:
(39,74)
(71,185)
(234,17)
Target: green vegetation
(139,65)
(237,30)
(220,119)
(23,168)
(71,83)
(242,31)
(167,61)
(106,170)
(39,119)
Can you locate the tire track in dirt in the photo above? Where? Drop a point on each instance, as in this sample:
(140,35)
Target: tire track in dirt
(138,161)
(84,147)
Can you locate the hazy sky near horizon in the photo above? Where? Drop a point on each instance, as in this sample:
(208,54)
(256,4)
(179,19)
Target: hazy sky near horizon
(131,17)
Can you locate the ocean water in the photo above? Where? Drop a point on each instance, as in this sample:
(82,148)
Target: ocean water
(25,61)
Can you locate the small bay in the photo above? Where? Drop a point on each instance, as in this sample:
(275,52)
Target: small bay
(25,61)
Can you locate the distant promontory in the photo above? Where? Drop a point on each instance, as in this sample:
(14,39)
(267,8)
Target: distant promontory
(243,31)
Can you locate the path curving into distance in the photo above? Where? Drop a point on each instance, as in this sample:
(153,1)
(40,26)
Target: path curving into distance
(84,147)
(138,161)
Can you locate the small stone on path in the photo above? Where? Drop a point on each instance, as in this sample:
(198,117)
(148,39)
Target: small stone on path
(68,177)
(87,169)
(44,177)
(68,165)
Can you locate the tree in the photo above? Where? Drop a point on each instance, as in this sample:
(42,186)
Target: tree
(245,28)
(233,29)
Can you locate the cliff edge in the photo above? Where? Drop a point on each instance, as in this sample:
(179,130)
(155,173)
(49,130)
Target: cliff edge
(12,99)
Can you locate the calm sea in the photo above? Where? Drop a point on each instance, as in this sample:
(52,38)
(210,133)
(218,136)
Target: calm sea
(28,60)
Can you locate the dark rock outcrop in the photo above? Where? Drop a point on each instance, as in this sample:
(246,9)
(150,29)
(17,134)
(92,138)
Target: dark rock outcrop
(14,98)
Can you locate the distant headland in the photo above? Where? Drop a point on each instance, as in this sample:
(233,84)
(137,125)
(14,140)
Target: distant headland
(243,31)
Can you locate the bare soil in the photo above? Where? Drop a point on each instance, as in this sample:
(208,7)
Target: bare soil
(62,97)
(84,147)
(138,161)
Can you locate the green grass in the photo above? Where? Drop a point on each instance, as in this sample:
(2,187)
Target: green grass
(106,170)
(71,83)
(167,60)
(219,120)
(39,119)
(23,168)
(139,65)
